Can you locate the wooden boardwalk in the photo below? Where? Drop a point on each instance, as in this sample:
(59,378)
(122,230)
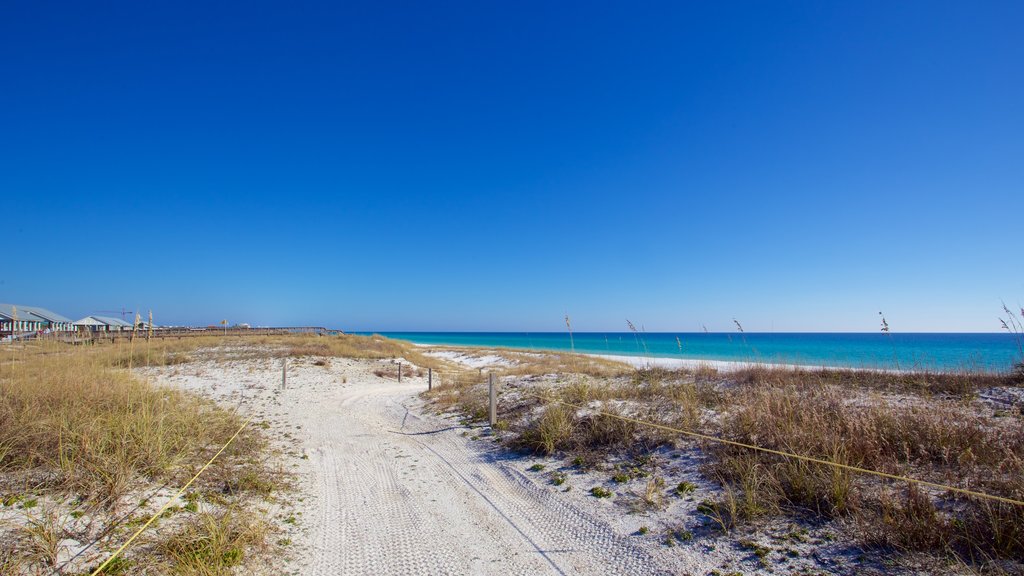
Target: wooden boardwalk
(85,336)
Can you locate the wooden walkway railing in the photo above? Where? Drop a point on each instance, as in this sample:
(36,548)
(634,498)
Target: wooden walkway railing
(83,336)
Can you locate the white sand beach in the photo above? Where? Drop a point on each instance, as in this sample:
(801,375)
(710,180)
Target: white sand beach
(484,357)
(388,488)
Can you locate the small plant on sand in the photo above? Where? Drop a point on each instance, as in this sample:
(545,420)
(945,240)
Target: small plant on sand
(536,468)
(654,493)
(685,488)
(45,534)
(722,513)
(678,535)
(600,492)
(760,551)
(558,478)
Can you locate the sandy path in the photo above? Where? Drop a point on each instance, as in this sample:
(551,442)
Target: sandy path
(391,490)
(403,493)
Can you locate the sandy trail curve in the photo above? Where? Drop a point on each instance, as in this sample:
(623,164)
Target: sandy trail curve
(391,489)
(403,493)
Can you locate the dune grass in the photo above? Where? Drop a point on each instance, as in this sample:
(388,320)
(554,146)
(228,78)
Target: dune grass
(465,389)
(938,440)
(922,425)
(71,422)
(352,346)
(78,434)
(213,543)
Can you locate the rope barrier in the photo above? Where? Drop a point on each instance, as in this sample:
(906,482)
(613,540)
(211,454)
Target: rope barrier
(172,499)
(811,459)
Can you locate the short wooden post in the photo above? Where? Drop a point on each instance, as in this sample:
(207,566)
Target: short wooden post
(430,379)
(284,372)
(494,400)
(399,372)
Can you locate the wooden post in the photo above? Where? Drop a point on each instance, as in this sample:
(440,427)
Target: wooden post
(284,372)
(494,400)
(430,379)
(399,372)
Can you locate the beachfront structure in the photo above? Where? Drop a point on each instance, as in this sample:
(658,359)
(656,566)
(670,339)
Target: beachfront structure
(18,319)
(102,324)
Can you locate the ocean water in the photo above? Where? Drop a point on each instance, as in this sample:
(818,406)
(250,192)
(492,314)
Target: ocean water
(939,351)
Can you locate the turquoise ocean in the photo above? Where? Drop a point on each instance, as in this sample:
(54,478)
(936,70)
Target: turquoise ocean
(929,351)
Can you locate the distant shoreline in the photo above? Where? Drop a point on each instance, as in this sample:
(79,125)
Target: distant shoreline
(669,363)
(932,352)
(721,365)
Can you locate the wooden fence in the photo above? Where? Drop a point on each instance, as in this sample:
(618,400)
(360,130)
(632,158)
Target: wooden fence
(86,336)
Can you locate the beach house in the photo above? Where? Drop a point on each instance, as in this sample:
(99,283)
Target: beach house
(18,319)
(102,324)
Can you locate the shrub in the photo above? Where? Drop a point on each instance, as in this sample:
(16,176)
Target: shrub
(212,543)
(685,488)
(550,432)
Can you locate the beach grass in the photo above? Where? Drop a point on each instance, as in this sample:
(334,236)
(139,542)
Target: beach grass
(68,418)
(77,428)
(928,426)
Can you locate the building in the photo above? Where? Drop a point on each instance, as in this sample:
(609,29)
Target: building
(17,319)
(102,324)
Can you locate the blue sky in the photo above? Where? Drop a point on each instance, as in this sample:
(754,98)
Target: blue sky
(493,166)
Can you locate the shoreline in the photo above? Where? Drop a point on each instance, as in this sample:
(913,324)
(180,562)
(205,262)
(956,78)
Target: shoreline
(720,365)
(918,352)
(674,363)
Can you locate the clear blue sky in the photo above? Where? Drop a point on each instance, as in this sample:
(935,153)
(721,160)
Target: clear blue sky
(492,166)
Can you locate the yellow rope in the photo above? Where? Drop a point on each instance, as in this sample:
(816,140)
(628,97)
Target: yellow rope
(795,456)
(175,497)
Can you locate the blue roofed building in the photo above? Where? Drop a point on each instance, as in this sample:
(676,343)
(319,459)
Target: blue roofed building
(102,324)
(18,319)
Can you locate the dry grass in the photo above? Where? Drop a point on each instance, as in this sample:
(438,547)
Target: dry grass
(351,346)
(958,383)
(76,428)
(162,352)
(939,441)
(552,430)
(464,391)
(213,543)
(923,425)
(71,423)
(530,363)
